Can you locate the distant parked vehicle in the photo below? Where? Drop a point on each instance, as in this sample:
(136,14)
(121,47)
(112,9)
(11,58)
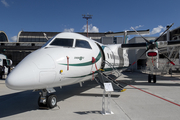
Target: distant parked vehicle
(6,63)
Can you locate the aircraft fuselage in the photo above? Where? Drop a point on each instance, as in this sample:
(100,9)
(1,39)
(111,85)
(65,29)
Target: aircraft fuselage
(55,65)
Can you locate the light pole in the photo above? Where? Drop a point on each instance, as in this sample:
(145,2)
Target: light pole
(87,17)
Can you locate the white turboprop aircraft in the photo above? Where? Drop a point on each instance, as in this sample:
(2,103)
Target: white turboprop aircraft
(69,58)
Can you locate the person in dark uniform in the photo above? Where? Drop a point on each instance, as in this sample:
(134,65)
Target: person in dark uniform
(9,70)
(0,72)
(3,71)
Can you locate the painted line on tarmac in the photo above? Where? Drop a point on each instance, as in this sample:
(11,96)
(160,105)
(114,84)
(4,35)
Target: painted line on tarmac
(155,96)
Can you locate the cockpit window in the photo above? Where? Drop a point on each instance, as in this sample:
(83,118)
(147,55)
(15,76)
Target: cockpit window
(82,44)
(63,42)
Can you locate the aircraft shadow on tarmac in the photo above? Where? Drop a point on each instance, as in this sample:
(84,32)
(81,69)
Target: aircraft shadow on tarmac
(16,103)
(138,78)
(20,102)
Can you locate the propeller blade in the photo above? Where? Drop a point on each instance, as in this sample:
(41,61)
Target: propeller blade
(140,35)
(139,57)
(164,32)
(169,59)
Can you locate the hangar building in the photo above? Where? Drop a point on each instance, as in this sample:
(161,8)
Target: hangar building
(39,37)
(3,37)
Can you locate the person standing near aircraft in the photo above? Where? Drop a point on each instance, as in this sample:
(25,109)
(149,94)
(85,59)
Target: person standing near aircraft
(9,70)
(0,72)
(3,71)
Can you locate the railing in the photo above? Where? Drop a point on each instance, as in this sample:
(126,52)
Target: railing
(112,67)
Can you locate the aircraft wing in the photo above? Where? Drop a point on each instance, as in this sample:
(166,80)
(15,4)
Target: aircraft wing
(111,34)
(159,44)
(134,45)
(174,43)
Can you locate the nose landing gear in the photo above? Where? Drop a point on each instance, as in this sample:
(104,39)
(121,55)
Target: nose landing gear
(47,101)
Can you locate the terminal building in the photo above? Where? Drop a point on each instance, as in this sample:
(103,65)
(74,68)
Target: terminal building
(28,42)
(40,37)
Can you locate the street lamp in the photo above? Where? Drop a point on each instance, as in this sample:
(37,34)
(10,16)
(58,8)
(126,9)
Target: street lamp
(87,17)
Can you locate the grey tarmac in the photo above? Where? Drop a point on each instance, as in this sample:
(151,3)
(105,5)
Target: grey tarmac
(140,101)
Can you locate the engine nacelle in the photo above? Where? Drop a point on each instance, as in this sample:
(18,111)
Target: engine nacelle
(153,54)
(152,61)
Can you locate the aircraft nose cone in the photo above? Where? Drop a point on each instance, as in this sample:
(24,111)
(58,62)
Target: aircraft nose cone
(23,77)
(33,72)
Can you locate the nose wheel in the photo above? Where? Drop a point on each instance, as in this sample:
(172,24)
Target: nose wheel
(51,101)
(47,101)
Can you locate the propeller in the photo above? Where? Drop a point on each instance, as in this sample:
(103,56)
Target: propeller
(164,32)
(139,57)
(140,35)
(153,44)
(168,59)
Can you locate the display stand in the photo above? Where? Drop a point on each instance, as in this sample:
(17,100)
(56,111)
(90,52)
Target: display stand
(106,109)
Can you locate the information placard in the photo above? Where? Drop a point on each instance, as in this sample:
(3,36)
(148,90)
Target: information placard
(108,87)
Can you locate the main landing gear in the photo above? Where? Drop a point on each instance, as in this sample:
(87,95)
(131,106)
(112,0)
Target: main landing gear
(47,101)
(151,77)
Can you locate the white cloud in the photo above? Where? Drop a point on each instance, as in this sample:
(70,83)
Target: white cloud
(14,39)
(69,30)
(158,29)
(139,26)
(91,28)
(5,3)
(136,27)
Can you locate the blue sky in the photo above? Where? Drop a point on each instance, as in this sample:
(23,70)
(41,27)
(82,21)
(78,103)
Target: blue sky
(108,15)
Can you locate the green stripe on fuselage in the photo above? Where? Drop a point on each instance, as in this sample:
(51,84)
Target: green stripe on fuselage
(85,63)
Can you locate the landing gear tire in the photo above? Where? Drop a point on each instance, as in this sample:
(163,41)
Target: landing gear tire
(52,101)
(149,78)
(154,78)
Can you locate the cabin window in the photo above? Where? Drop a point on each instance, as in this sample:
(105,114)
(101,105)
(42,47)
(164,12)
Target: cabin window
(82,44)
(62,42)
